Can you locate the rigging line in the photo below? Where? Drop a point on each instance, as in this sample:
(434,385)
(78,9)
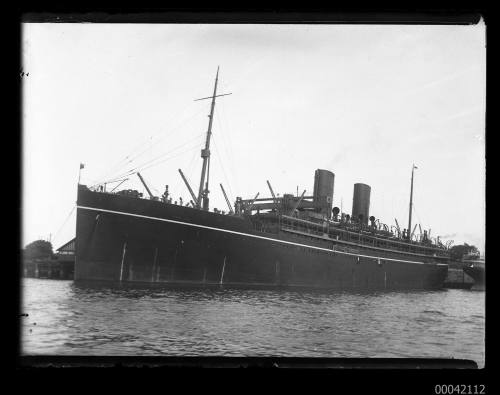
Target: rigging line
(223,171)
(153,159)
(222,134)
(167,135)
(139,145)
(124,180)
(193,157)
(131,157)
(109,182)
(229,157)
(189,171)
(191,167)
(416,213)
(64,223)
(192,161)
(126,159)
(230,154)
(92,182)
(114,180)
(172,150)
(161,155)
(172,157)
(141,166)
(134,171)
(164,154)
(122,176)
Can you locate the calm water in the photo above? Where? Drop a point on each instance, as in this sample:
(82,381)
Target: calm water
(65,319)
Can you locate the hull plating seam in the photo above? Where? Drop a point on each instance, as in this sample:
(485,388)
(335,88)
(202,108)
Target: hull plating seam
(254,236)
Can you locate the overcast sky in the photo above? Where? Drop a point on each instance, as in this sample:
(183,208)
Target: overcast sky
(362,101)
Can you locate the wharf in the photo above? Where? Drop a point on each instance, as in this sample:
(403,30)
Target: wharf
(60,266)
(49,268)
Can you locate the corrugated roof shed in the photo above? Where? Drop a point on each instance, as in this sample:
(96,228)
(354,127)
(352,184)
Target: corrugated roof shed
(68,248)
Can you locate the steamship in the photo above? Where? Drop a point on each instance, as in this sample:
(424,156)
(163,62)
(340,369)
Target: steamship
(278,241)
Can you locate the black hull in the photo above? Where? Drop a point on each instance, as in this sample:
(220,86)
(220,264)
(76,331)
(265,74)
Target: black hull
(124,239)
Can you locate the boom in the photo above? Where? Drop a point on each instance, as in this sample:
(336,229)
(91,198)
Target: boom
(413,231)
(271,189)
(397,226)
(252,202)
(122,181)
(145,186)
(297,204)
(227,200)
(274,196)
(195,200)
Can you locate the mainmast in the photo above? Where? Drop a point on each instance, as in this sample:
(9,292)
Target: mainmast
(411,202)
(203,191)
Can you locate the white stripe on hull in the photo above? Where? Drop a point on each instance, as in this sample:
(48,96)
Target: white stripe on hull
(254,236)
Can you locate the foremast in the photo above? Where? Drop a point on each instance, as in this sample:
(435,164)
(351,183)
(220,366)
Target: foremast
(202,201)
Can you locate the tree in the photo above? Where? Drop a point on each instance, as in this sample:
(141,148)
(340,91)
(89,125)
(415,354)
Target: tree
(38,249)
(457,252)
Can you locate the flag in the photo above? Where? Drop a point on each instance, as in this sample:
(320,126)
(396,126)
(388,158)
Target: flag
(82,165)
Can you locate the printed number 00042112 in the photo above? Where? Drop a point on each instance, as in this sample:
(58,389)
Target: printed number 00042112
(459,389)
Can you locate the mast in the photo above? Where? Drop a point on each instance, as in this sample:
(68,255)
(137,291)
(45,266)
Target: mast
(203,191)
(205,153)
(411,201)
